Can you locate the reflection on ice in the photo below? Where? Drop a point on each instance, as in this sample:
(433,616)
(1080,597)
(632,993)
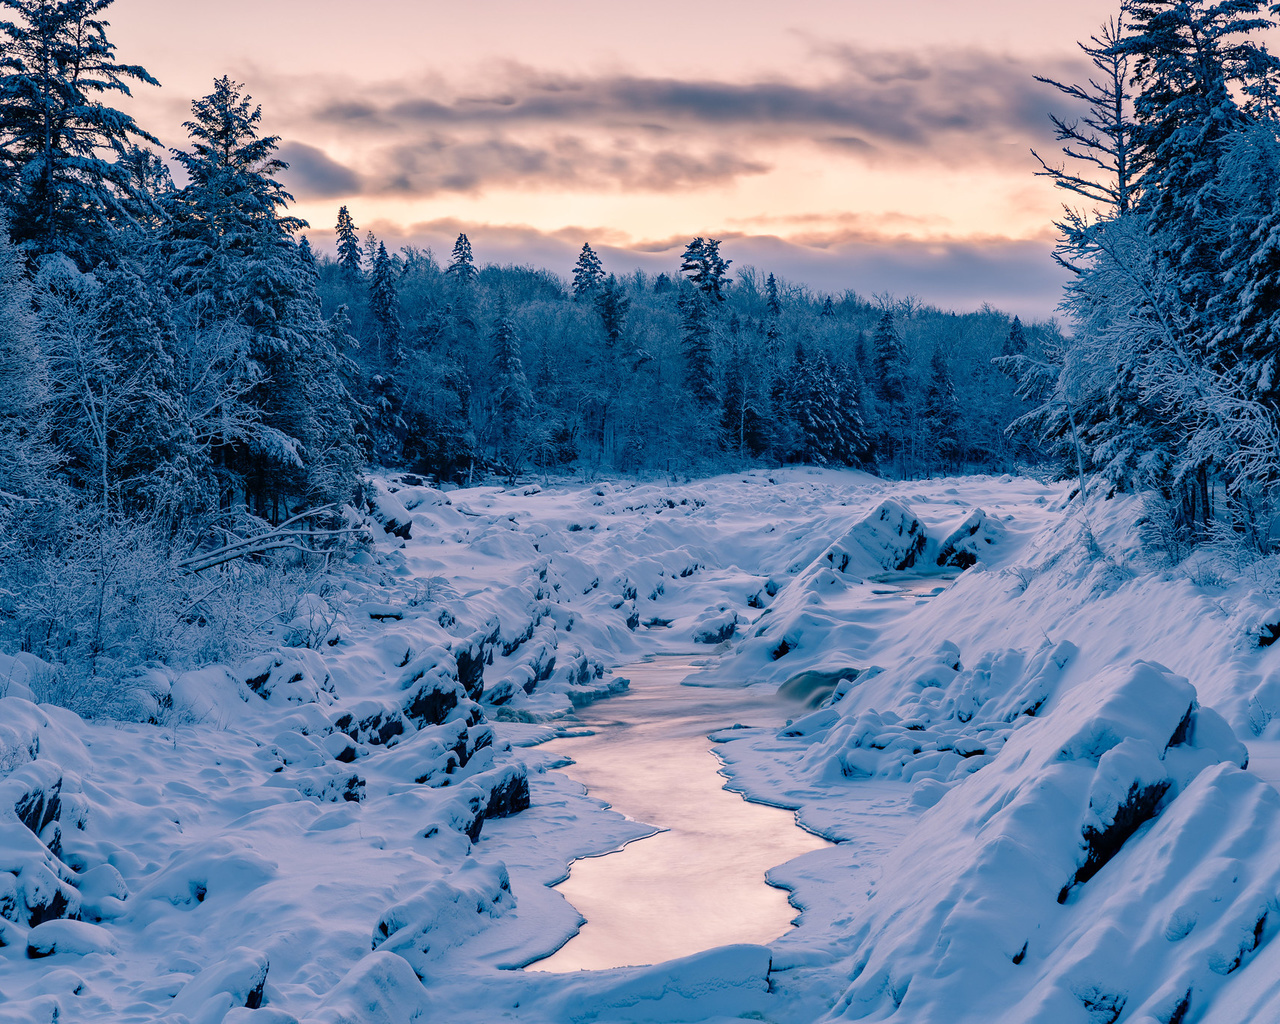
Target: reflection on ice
(701,882)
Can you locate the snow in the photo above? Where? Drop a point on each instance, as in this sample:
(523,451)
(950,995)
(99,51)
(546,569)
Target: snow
(1048,765)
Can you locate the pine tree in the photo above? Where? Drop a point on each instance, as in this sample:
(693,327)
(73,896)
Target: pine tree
(705,268)
(699,349)
(613,306)
(1193,59)
(64,154)
(1100,140)
(512,399)
(828,308)
(588,274)
(232,261)
(771,294)
(384,304)
(463,266)
(942,412)
(889,360)
(889,384)
(1016,342)
(350,255)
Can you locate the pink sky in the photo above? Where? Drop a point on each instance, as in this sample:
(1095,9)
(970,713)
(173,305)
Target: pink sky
(880,147)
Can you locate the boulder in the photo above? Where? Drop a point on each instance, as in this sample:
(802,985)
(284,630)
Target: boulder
(970,540)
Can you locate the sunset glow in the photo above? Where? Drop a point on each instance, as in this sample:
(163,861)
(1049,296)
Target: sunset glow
(810,138)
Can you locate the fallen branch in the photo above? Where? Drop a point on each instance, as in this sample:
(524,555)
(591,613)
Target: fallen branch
(284,536)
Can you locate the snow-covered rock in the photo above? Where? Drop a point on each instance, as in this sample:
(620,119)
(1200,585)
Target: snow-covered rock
(891,537)
(69,938)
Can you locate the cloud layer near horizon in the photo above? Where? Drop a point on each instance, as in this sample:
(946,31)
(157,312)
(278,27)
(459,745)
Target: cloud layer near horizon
(528,128)
(1014,275)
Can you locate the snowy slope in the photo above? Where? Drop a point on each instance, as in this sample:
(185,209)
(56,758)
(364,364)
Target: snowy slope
(1028,744)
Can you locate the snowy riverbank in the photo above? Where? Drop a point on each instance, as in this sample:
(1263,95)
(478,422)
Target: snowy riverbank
(1033,825)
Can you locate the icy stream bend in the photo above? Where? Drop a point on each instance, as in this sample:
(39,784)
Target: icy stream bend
(701,882)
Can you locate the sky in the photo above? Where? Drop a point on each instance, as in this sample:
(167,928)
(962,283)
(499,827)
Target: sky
(838,143)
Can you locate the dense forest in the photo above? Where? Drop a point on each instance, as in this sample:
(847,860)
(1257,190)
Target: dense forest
(184,382)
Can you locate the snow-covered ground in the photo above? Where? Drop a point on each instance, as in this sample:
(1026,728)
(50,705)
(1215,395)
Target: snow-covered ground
(1027,741)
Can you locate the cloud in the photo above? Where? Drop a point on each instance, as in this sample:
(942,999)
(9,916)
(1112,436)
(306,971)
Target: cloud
(636,132)
(448,163)
(874,96)
(313,174)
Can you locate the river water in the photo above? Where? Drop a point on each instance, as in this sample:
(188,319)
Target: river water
(701,882)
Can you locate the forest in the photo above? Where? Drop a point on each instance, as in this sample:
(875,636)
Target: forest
(188,388)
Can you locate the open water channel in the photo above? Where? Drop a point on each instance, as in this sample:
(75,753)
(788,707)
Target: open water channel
(700,882)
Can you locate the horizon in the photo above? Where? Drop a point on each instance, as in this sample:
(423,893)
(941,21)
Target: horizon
(843,147)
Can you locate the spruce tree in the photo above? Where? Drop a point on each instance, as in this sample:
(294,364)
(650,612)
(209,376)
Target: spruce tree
(233,264)
(512,400)
(828,308)
(65,157)
(771,296)
(613,305)
(463,267)
(889,361)
(698,348)
(1015,344)
(384,304)
(350,255)
(705,268)
(942,412)
(889,384)
(588,274)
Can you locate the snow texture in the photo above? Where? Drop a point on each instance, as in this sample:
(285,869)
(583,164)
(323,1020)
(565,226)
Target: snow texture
(1026,747)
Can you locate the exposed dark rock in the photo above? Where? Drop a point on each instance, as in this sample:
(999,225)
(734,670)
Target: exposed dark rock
(716,635)
(964,545)
(432,700)
(374,726)
(509,793)
(1103,844)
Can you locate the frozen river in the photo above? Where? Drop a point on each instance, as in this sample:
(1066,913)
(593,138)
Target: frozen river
(701,882)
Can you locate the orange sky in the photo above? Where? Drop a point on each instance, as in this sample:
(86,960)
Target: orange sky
(846,144)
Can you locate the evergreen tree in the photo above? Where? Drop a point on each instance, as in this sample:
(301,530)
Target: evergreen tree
(705,268)
(1101,140)
(828,308)
(512,399)
(613,305)
(384,304)
(698,348)
(463,267)
(588,274)
(889,362)
(942,412)
(889,384)
(1016,343)
(64,154)
(233,263)
(1193,59)
(771,294)
(350,256)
